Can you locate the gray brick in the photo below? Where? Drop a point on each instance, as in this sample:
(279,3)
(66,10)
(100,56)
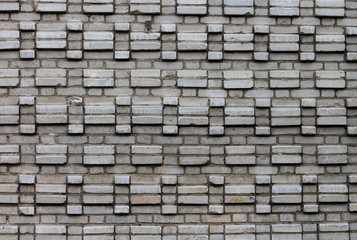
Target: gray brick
(177,120)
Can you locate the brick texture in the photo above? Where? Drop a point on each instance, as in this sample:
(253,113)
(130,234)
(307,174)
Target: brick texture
(178,120)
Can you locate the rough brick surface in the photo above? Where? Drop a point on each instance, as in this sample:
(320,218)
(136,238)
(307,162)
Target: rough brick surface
(178,120)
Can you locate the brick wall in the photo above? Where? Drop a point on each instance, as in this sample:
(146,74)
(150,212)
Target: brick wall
(178,119)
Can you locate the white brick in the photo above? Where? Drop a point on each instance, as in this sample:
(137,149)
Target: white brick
(168,55)
(333,188)
(143,149)
(74,210)
(241,189)
(168,28)
(285,189)
(240,150)
(330,3)
(98,229)
(215,28)
(118,209)
(105,149)
(51,149)
(75,179)
(285,3)
(286,228)
(74,54)
(122,180)
(122,27)
(27,54)
(50,229)
(122,54)
(74,26)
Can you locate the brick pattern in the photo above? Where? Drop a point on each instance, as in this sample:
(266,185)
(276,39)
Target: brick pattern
(178,120)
